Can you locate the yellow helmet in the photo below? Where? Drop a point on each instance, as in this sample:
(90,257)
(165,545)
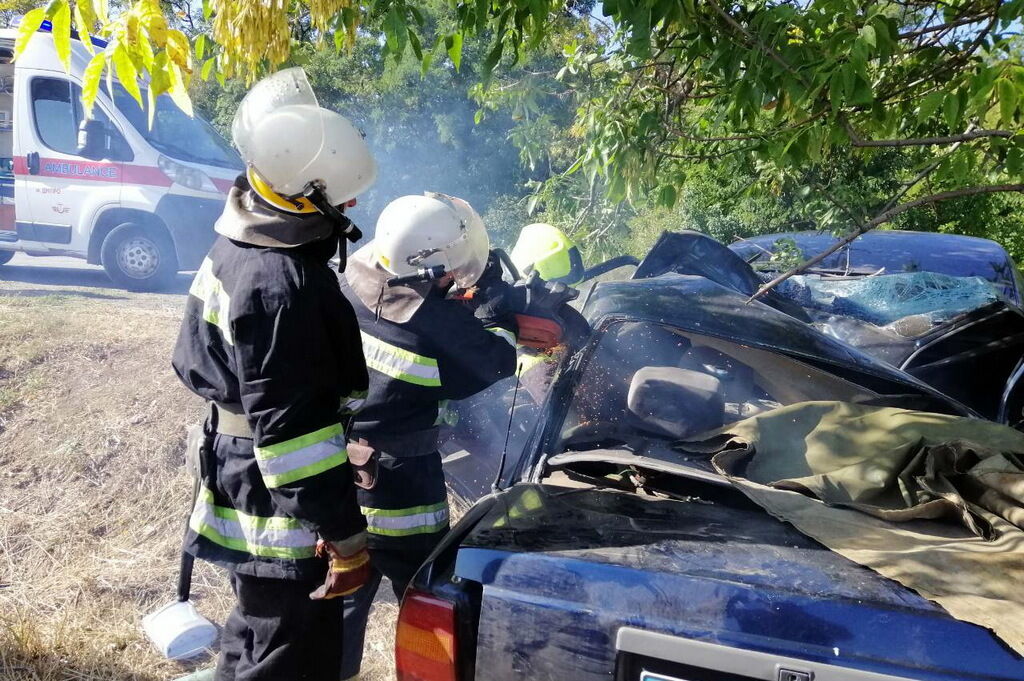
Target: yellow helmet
(547,250)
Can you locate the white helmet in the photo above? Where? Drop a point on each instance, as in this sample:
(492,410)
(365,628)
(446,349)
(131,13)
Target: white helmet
(287,140)
(414,232)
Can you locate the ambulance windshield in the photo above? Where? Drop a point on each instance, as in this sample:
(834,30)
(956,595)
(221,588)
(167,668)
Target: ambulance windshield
(177,134)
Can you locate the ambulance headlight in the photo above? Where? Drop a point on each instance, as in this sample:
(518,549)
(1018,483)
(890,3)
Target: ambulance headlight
(186,176)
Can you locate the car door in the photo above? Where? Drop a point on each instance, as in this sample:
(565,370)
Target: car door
(61,185)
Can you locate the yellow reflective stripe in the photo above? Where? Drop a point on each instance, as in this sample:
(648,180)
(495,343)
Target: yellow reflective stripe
(216,302)
(298,443)
(400,363)
(280,479)
(268,537)
(400,522)
(509,337)
(302,457)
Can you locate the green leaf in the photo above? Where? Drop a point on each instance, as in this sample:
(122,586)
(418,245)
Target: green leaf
(929,105)
(417,48)
(867,34)
(478,116)
(666,196)
(91,81)
(951,110)
(126,72)
(862,94)
(493,57)
(1007,100)
(453,44)
(30,23)
(200,47)
(61,21)
(849,74)
(84,28)
(835,92)
(207,10)
(1015,160)
(395,31)
(208,65)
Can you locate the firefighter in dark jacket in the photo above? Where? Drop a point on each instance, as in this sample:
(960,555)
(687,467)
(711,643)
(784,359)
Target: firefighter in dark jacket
(271,343)
(422,349)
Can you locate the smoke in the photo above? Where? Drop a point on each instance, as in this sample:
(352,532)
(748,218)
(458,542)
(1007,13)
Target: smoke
(435,145)
(421,131)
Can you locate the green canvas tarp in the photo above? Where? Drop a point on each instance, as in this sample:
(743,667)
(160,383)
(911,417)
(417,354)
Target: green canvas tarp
(935,502)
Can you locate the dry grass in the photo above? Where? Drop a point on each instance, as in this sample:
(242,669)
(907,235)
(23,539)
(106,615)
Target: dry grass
(93,493)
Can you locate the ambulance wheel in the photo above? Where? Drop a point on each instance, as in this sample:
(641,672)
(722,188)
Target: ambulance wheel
(5,257)
(139,259)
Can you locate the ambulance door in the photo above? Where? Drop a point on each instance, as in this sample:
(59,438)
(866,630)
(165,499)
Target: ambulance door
(63,182)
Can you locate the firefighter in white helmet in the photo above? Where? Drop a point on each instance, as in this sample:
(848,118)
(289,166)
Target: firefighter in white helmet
(422,348)
(273,346)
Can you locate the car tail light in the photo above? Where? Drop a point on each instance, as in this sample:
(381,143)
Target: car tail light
(425,643)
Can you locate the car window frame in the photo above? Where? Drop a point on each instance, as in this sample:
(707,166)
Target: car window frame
(76,104)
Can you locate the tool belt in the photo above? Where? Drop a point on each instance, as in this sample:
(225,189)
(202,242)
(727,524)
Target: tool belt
(229,419)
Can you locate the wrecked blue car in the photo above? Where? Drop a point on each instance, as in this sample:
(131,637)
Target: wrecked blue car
(595,547)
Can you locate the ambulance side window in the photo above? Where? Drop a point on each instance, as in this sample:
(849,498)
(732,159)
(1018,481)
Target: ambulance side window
(57,110)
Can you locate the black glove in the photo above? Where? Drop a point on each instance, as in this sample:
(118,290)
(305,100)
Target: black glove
(493,272)
(499,304)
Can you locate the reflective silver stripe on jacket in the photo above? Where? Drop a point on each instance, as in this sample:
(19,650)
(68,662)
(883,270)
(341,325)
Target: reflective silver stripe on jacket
(268,537)
(302,457)
(401,522)
(399,363)
(216,301)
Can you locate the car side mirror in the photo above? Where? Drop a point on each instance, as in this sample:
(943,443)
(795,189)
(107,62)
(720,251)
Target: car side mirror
(674,402)
(93,139)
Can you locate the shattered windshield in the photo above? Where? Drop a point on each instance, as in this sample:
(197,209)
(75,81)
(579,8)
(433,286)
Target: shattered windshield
(177,134)
(889,252)
(644,378)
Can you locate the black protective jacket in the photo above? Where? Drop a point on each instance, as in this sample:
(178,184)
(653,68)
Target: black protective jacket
(268,333)
(422,350)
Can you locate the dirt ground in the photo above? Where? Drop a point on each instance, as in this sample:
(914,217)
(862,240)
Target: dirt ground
(93,493)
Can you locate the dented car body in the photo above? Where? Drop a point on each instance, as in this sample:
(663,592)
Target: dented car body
(594,550)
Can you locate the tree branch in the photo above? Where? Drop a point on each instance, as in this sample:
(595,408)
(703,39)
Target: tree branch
(880,219)
(928,141)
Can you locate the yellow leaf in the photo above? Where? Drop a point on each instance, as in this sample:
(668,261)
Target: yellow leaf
(100,9)
(84,27)
(127,73)
(30,23)
(156,26)
(91,81)
(144,51)
(179,49)
(178,90)
(61,21)
(87,11)
(131,27)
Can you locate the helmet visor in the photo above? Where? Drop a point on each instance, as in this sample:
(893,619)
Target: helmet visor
(468,254)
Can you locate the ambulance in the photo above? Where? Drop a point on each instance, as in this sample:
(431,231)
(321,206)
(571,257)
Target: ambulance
(138,200)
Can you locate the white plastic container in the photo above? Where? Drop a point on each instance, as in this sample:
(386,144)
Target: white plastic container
(178,630)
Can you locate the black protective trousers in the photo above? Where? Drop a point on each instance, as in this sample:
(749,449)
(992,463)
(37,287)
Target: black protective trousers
(276,633)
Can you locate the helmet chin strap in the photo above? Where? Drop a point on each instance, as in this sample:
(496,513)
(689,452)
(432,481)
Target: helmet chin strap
(315,194)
